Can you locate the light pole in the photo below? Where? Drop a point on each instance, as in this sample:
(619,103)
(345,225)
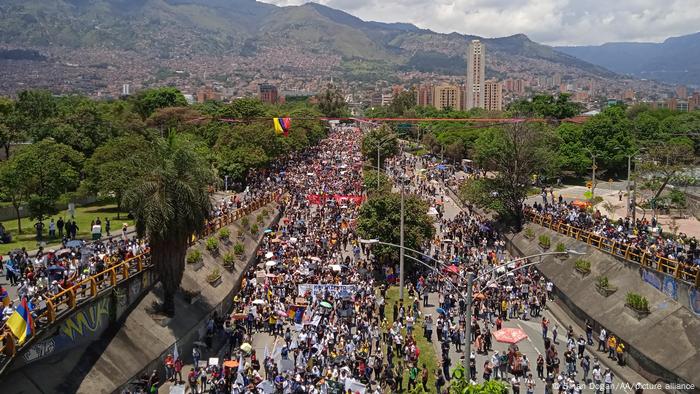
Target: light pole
(379,145)
(470,281)
(593,157)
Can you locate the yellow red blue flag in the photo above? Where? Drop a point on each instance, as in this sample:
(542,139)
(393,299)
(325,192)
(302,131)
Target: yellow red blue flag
(282,125)
(21,323)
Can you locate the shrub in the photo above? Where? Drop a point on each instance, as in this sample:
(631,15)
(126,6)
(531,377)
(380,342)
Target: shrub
(544,241)
(603,282)
(238,248)
(254,229)
(214,275)
(241,234)
(228,259)
(529,233)
(637,301)
(260,218)
(561,248)
(245,222)
(265,212)
(212,244)
(194,257)
(224,234)
(583,265)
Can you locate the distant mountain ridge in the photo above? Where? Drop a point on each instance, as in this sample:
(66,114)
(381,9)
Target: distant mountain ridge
(675,61)
(171,29)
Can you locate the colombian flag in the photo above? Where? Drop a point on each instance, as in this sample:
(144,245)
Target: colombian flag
(4,297)
(282,126)
(21,323)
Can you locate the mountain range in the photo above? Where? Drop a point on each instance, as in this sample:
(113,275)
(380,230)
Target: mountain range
(675,61)
(228,34)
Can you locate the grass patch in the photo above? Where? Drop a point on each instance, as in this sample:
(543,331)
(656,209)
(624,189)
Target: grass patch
(427,350)
(83,215)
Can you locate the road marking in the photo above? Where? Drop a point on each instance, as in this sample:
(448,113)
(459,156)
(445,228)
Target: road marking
(530,340)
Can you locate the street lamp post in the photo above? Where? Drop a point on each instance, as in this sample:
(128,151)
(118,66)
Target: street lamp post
(470,281)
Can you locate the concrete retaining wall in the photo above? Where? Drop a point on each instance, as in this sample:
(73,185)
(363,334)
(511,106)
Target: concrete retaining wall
(664,346)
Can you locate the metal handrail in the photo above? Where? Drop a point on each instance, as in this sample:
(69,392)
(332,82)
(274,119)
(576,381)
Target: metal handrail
(687,273)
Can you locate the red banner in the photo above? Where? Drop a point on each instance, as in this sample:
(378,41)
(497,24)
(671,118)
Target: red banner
(339,199)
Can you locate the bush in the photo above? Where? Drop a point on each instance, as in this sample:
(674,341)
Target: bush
(637,301)
(224,234)
(561,248)
(265,212)
(254,229)
(212,244)
(603,282)
(583,265)
(544,241)
(260,218)
(214,275)
(245,222)
(529,234)
(241,234)
(194,257)
(228,259)
(238,248)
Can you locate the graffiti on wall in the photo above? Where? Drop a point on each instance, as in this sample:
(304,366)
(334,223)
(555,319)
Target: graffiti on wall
(670,287)
(694,298)
(39,350)
(652,278)
(87,321)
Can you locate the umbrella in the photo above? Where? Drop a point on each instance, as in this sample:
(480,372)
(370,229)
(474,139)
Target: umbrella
(281,313)
(271,263)
(335,267)
(231,363)
(276,241)
(440,311)
(315,258)
(509,335)
(292,240)
(269,255)
(453,269)
(326,304)
(258,302)
(74,244)
(238,316)
(246,347)
(267,231)
(271,275)
(479,296)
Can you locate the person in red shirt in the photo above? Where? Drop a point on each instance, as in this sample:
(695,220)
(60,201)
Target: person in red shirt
(169,367)
(178,370)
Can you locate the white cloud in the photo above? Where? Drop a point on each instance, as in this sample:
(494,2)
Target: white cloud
(555,22)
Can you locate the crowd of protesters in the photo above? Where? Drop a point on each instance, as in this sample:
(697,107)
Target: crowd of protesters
(644,235)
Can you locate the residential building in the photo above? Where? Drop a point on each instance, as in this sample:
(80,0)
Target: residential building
(424,95)
(556,79)
(126,89)
(268,93)
(681,92)
(387,98)
(447,96)
(493,96)
(207,94)
(476,63)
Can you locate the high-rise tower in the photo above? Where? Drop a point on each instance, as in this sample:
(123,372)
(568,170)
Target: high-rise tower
(476,62)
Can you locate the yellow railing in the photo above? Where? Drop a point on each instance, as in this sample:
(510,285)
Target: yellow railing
(69,299)
(688,273)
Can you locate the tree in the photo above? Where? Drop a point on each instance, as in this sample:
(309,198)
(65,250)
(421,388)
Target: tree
(331,103)
(148,101)
(244,108)
(546,106)
(571,153)
(10,125)
(460,384)
(665,160)
(13,188)
(455,151)
(402,103)
(515,152)
(38,174)
(169,202)
(376,182)
(608,135)
(112,167)
(380,218)
(380,139)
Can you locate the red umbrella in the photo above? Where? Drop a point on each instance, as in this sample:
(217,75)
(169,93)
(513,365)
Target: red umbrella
(509,335)
(453,269)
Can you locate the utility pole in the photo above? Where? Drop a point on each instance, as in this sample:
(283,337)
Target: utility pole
(629,177)
(593,180)
(401,268)
(468,324)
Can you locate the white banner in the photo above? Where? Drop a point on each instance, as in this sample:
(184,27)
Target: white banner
(319,289)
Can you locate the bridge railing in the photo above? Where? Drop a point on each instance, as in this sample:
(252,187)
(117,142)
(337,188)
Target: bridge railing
(66,301)
(688,273)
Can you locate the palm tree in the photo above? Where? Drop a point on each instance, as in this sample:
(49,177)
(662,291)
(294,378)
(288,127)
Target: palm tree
(170,203)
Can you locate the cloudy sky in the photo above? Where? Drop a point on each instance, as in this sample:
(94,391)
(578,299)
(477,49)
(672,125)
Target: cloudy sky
(554,22)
